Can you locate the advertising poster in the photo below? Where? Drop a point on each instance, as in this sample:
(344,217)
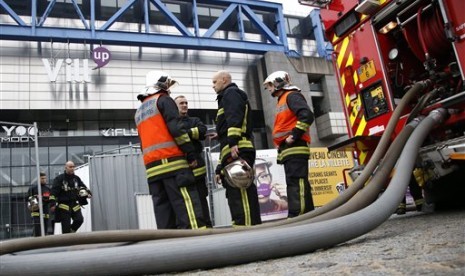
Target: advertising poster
(326,176)
(326,173)
(271,185)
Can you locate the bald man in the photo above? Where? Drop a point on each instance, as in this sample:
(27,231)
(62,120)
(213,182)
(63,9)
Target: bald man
(234,132)
(69,193)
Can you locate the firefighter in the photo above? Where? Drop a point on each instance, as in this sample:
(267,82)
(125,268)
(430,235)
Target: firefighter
(292,138)
(69,193)
(33,205)
(197,132)
(169,156)
(234,131)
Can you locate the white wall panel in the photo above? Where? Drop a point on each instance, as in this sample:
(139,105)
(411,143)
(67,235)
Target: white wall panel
(117,97)
(116,85)
(48,104)
(17,104)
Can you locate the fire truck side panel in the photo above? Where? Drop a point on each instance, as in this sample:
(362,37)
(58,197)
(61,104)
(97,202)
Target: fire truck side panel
(381,49)
(364,89)
(455,14)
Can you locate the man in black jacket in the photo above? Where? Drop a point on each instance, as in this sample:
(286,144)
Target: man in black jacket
(197,132)
(234,131)
(33,204)
(69,194)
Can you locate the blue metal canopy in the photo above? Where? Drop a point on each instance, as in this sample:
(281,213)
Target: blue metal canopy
(31,27)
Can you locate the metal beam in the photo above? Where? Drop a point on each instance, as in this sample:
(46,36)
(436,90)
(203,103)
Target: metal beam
(189,38)
(324,47)
(137,39)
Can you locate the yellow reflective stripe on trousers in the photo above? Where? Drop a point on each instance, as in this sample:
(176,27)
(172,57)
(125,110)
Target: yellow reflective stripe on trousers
(293,151)
(244,143)
(200,171)
(167,167)
(246,206)
(302,195)
(189,207)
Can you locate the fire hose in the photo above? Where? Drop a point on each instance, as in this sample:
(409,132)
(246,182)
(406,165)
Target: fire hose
(184,254)
(141,235)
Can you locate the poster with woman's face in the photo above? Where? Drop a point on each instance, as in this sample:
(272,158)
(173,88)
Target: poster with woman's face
(270,180)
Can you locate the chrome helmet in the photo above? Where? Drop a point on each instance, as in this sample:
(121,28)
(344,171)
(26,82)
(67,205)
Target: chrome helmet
(33,203)
(83,192)
(239,174)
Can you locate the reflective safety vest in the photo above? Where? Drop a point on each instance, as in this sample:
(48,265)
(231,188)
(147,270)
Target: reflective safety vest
(285,121)
(156,140)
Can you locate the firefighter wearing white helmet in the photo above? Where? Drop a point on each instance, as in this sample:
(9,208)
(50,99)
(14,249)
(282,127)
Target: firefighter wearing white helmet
(291,136)
(169,156)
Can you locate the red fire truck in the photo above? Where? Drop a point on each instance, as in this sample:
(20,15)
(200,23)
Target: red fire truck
(381,49)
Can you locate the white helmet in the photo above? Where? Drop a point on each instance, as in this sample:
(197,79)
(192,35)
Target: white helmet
(156,81)
(280,80)
(239,174)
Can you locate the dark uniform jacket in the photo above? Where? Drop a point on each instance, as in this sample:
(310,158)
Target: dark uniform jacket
(196,130)
(66,188)
(46,197)
(233,122)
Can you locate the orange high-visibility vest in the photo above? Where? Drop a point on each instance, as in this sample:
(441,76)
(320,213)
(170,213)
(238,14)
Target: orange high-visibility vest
(156,140)
(285,121)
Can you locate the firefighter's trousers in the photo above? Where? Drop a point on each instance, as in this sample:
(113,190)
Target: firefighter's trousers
(202,188)
(175,206)
(299,194)
(243,203)
(67,212)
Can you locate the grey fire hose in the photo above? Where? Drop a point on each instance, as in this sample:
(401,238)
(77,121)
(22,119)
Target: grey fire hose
(378,181)
(141,235)
(181,254)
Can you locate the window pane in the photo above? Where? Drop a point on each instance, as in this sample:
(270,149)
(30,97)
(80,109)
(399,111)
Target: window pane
(5,157)
(20,157)
(76,154)
(58,156)
(43,156)
(5,177)
(294,26)
(21,176)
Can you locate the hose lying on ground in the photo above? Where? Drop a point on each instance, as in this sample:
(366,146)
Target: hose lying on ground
(182,254)
(376,184)
(141,235)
